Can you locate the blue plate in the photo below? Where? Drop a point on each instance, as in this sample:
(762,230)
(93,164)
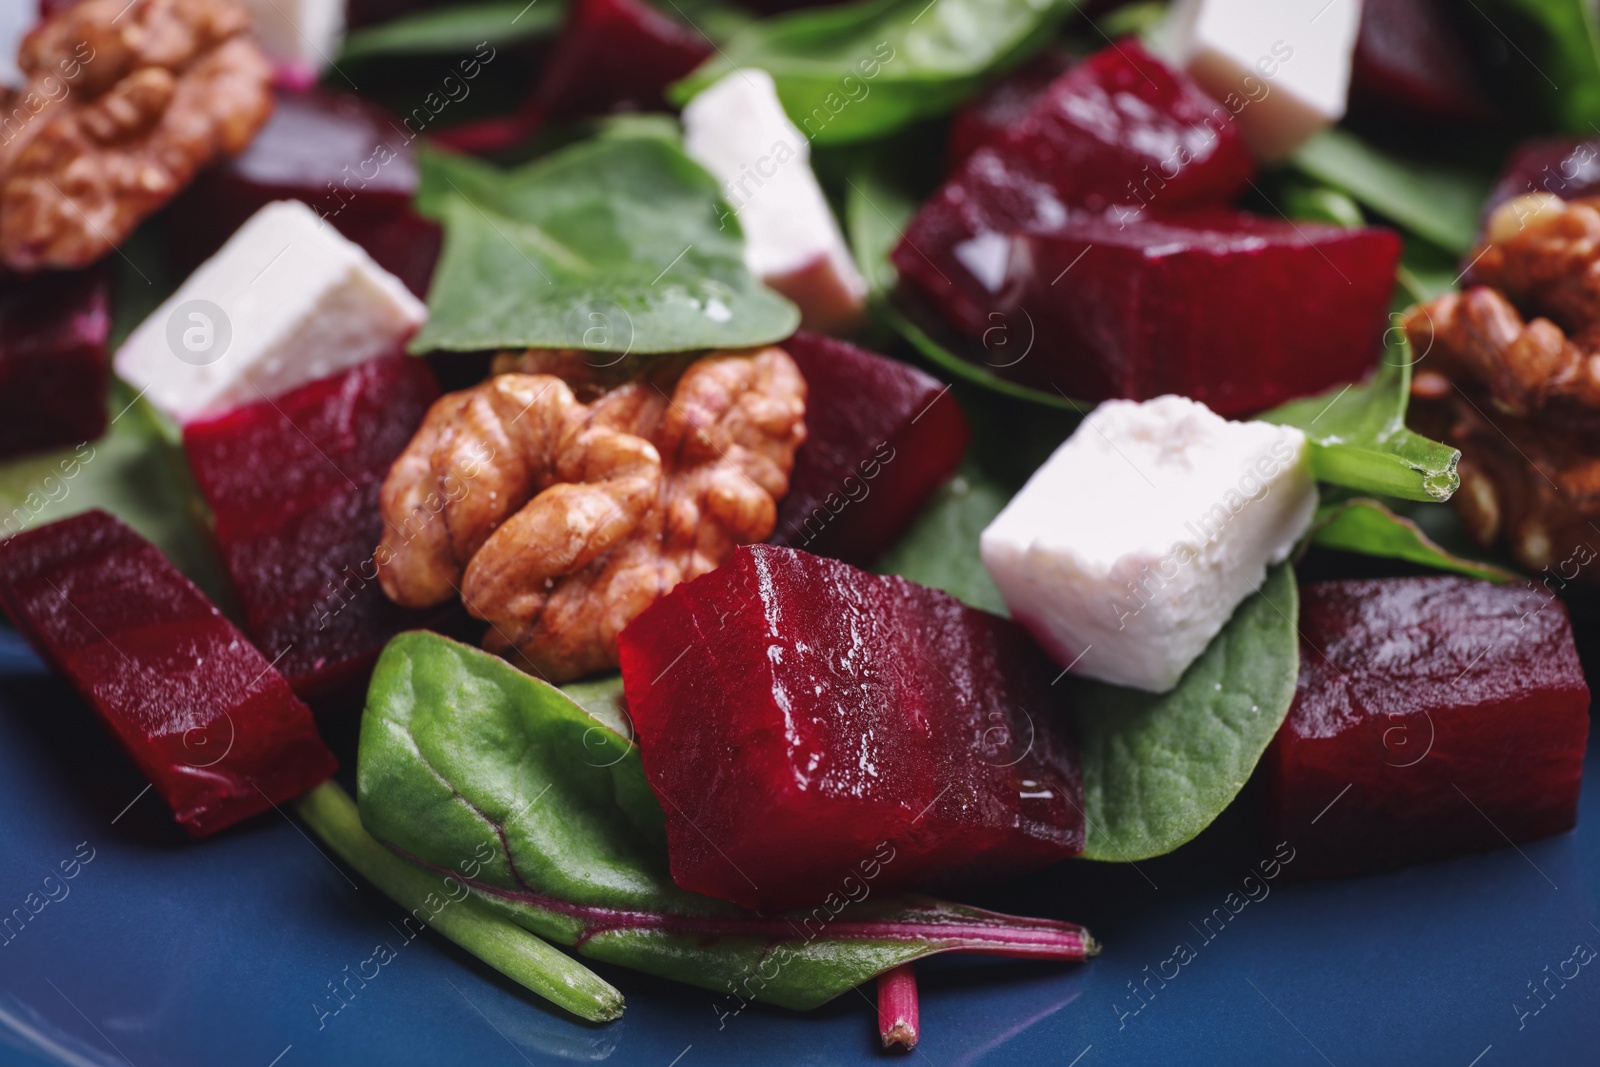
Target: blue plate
(237,952)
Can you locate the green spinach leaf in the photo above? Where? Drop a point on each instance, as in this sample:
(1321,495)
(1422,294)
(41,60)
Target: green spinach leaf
(619,245)
(1569,64)
(1368,527)
(877,208)
(132,472)
(855,71)
(1159,768)
(442,903)
(460,28)
(1359,438)
(468,765)
(1433,202)
(941,548)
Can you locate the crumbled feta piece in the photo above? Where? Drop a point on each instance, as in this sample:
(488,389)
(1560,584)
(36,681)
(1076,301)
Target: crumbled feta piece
(1129,549)
(285,301)
(737,130)
(300,36)
(1282,67)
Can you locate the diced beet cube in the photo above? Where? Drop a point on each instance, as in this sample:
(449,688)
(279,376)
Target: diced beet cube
(346,157)
(216,730)
(1433,716)
(1413,61)
(1240,312)
(293,486)
(799,718)
(53,332)
(1121,128)
(1568,167)
(617,54)
(881,437)
(986,116)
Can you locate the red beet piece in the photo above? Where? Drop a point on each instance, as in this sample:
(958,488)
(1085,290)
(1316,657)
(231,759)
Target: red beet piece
(211,724)
(1432,716)
(293,486)
(1567,167)
(617,55)
(348,158)
(1413,61)
(53,331)
(1238,311)
(881,437)
(807,725)
(986,116)
(1121,128)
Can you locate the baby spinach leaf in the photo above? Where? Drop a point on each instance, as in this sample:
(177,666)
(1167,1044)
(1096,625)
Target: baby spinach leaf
(448,908)
(470,766)
(1569,64)
(1368,527)
(1434,202)
(854,71)
(1359,438)
(877,208)
(941,548)
(131,472)
(620,244)
(1159,768)
(459,28)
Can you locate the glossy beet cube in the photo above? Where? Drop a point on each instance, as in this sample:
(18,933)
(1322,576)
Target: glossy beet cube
(881,437)
(1433,716)
(217,731)
(348,158)
(293,487)
(799,718)
(985,117)
(53,376)
(1121,128)
(1413,61)
(1240,312)
(617,55)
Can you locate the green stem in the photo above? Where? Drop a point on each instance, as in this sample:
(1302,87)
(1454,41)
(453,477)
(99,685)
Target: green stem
(503,945)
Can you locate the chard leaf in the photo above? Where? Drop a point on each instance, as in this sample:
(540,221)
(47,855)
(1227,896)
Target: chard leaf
(620,244)
(1159,768)
(459,28)
(1359,438)
(1368,527)
(877,208)
(470,766)
(1433,202)
(856,71)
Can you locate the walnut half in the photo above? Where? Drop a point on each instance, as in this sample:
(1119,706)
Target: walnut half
(559,521)
(124,102)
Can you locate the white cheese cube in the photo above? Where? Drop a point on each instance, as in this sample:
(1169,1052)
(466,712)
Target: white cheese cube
(16,19)
(1129,549)
(301,36)
(1281,67)
(737,130)
(285,301)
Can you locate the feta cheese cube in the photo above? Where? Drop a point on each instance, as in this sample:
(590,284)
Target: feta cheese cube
(1129,549)
(285,301)
(300,36)
(737,130)
(1282,67)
